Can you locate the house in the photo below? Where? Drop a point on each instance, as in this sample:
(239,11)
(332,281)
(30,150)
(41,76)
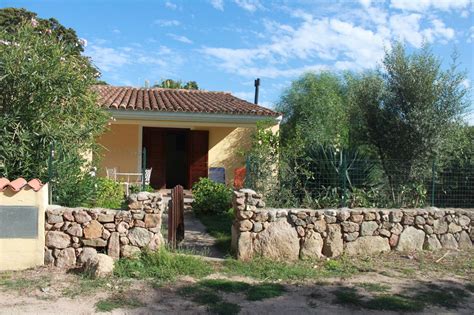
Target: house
(184,133)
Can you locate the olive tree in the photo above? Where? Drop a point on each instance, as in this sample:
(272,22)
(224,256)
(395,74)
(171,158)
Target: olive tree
(47,99)
(410,109)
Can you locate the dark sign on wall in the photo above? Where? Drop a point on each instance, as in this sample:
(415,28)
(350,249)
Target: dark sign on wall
(18,222)
(217,174)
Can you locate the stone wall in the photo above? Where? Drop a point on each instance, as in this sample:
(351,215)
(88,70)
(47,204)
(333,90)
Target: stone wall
(301,233)
(75,235)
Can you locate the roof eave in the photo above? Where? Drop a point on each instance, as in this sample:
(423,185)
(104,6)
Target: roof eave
(191,117)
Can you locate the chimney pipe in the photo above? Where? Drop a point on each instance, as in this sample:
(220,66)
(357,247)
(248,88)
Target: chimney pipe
(257,85)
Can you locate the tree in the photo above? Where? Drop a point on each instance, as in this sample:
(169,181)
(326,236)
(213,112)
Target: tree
(172,84)
(314,109)
(11,20)
(47,99)
(409,108)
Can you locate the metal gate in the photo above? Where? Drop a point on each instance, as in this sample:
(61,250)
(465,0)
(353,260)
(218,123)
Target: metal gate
(176,217)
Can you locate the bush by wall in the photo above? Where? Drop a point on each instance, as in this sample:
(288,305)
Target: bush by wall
(211,197)
(110,194)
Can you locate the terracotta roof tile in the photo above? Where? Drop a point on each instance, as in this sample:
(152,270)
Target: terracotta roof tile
(20,183)
(177,100)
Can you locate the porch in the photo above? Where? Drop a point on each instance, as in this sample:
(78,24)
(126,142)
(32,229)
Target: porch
(177,153)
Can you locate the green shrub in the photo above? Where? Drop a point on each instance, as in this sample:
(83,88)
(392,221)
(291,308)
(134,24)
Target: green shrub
(109,194)
(136,188)
(211,197)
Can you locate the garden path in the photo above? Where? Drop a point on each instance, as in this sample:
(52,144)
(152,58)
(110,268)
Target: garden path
(196,239)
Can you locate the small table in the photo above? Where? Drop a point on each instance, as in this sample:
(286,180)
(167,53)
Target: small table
(127,183)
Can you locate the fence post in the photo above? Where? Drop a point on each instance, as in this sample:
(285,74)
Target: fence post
(433,179)
(343,174)
(50,172)
(143,168)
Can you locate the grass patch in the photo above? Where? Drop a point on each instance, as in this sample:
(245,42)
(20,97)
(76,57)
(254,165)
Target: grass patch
(225,285)
(224,308)
(264,291)
(206,292)
(447,297)
(350,297)
(162,266)
(394,303)
(8,282)
(219,226)
(117,301)
(267,269)
(374,287)
(87,286)
(470,287)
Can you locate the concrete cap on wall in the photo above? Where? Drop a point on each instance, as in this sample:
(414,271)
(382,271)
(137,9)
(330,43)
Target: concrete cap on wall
(20,183)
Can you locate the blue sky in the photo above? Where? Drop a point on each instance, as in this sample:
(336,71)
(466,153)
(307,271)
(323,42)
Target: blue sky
(225,44)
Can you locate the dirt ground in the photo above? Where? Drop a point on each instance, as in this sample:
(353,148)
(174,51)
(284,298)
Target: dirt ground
(52,291)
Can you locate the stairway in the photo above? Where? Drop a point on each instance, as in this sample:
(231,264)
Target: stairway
(188,198)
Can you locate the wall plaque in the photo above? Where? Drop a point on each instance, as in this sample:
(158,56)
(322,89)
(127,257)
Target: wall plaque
(18,222)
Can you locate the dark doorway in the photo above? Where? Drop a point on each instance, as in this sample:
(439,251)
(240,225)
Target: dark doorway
(176,158)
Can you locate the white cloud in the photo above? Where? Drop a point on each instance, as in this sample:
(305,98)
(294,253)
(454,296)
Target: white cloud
(171,5)
(365,3)
(217,4)
(166,23)
(108,59)
(114,59)
(407,27)
(180,38)
(249,96)
(116,31)
(249,5)
(353,42)
(328,40)
(425,5)
(470,35)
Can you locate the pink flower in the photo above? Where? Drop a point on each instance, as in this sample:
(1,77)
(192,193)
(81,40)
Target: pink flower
(34,23)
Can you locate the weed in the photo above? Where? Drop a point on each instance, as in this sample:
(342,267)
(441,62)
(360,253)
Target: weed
(117,301)
(162,265)
(264,291)
(374,287)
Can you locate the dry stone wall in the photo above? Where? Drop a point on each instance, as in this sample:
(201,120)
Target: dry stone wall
(76,235)
(290,234)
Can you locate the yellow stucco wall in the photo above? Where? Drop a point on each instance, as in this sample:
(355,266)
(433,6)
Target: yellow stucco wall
(226,146)
(120,148)
(20,253)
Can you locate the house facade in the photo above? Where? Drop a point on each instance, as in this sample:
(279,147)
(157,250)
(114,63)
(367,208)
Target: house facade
(181,134)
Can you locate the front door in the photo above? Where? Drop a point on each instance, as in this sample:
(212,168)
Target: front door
(176,156)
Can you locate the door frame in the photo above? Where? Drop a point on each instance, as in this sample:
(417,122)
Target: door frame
(187,131)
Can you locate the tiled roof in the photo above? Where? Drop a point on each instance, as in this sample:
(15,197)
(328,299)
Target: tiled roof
(20,183)
(177,100)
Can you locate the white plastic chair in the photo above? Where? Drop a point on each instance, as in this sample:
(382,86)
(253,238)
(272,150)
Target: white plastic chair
(148,175)
(111,173)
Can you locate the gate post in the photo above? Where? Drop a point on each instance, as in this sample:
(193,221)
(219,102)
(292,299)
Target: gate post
(176,217)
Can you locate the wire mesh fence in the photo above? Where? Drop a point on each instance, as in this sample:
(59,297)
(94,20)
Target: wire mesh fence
(346,181)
